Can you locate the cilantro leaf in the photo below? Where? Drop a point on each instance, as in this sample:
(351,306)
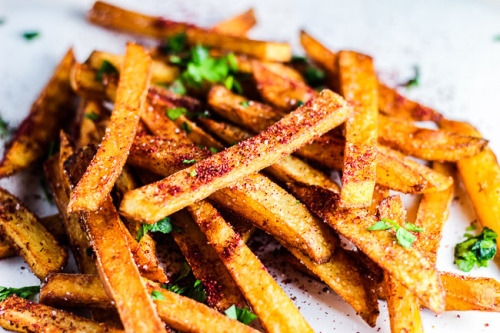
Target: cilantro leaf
(175,113)
(415,81)
(106,68)
(380,225)
(244,104)
(185,127)
(414,228)
(242,315)
(188,161)
(174,44)
(23,292)
(178,87)
(164,226)
(299,59)
(193,173)
(29,35)
(5,129)
(196,291)
(476,250)
(213,150)
(403,235)
(315,77)
(471,228)
(157,295)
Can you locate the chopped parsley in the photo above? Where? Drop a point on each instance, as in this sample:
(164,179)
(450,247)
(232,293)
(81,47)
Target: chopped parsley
(193,173)
(185,127)
(24,292)
(315,77)
(298,201)
(300,103)
(415,81)
(213,150)
(299,59)
(174,44)
(244,104)
(471,228)
(403,235)
(164,226)
(106,68)
(195,291)
(175,113)
(476,250)
(188,161)
(157,295)
(242,315)
(177,87)
(29,35)
(92,116)
(5,129)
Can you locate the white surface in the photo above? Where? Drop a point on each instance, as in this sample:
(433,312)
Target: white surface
(451,41)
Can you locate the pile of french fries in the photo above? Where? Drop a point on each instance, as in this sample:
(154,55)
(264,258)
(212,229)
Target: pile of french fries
(201,183)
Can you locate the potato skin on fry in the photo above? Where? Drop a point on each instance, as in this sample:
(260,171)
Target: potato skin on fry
(42,125)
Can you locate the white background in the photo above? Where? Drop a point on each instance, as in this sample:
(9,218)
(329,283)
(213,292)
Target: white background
(451,41)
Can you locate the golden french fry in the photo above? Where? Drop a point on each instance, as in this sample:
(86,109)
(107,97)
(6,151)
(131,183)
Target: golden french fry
(358,85)
(427,144)
(55,225)
(106,166)
(35,244)
(6,250)
(42,125)
(238,25)
(481,177)
(165,197)
(93,119)
(273,307)
(20,315)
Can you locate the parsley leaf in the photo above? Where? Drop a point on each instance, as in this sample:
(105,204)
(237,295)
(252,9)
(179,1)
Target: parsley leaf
(193,173)
(415,81)
(244,104)
(403,235)
(106,68)
(178,87)
(188,161)
(185,127)
(174,44)
(164,226)
(476,250)
(300,103)
(242,315)
(92,116)
(213,150)
(315,77)
(196,291)
(29,35)
(175,113)
(299,59)
(157,295)
(471,228)
(5,129)
(23,292)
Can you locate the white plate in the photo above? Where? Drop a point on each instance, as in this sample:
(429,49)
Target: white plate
(451,41)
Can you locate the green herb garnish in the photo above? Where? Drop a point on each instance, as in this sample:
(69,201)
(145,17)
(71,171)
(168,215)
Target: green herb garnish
(496,38)
(177,87)
(188,161)
(164,226)
(476,250)
(213,150)
(244,104)
(24,292)
(5,129)
(174,44)
(106,68)
(196,291)
(185,127)
(299,59)
(242,315)
(300,103)
(92,116)
(415,81)
(315,77)
(193,173)
(175,113)
(403,235)
(29,35)
(157,295)
(471,228)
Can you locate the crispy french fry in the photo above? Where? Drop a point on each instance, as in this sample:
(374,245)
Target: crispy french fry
(256,198)
(481,177)
(106,166)
(238,25)
(417,273)
(273,307)
(390,101)
(427,144)
(160,72)
(221,290)
(55,225)
(280,92)
(177,311)
(403,305)
(24,232)
(42,125)
(20,315)
(6,250)
(311,120)
(358,84)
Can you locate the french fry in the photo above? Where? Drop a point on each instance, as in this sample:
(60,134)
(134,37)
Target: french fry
(93,120)
(20,315)
(358,84)
(417,273)
(6,250)
(309,121)
(280,92)
(222,291)
(427,144)
(256,198)
(47,114)
(238,25)
(106,166)
(33,242)
(390,101)
(109,16)
(55,225)
(403,305)
(481,177)
(160,72)
(273,307)
(177,311)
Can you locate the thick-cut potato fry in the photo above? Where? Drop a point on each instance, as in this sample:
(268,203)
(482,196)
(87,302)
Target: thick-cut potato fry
(6,250)
(432,214)
(481,177)
(238,25)
(20,315)
(92,119)
(288,169)
(416,273)
(427,144)
(47,114)
(273,307)
(280,92)
(106,166)
(179,312)
(255,198)
(33,242)
(390,101)
(152,202)
(55,225)
(358,85)
(403,305)
(221,289)
(160,72)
